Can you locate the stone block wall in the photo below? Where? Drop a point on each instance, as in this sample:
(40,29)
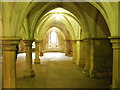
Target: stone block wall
(102,58)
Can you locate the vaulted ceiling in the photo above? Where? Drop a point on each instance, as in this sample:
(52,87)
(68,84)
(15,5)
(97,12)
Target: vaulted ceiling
(33,19)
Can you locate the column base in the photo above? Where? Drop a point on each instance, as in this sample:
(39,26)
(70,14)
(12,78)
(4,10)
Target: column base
(93,74)
(96,74)
(86,70)
(30,73)
(73,59)
(41,54)
(70,55)
(78,63)
(36,61)
(82,65)
(66,54)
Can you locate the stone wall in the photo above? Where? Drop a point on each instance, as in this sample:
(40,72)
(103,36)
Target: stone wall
(60,48)
(101,63)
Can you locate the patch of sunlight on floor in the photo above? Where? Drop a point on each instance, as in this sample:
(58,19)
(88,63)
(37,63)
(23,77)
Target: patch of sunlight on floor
(55,57)
(51,56)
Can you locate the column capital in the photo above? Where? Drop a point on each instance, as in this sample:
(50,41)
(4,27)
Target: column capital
(9,44)
(115,42)
(81,40)
(74,41)
(28,42)
(67,40)
(37,41)
(41,41)
(8,62)
(87,39)
(98,38)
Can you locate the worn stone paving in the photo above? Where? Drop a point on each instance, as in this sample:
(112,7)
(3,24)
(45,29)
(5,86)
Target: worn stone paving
(0,75)
(56,71)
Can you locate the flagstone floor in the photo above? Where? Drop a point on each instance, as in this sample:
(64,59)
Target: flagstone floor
(56,71)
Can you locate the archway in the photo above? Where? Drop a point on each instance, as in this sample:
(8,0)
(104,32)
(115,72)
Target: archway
(13,30)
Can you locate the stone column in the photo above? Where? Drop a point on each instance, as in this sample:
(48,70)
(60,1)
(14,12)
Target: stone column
(64,46)
(21,47)
(78,52)
(9,62)
(41,48)
(37,59)
(68,51)
(87,55)
(70,48)
(92,59)
(29,72)
(82,53)
(67,47)
(116,62)
(74,49)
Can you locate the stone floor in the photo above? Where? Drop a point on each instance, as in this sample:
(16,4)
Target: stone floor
(0,75)
(56,71)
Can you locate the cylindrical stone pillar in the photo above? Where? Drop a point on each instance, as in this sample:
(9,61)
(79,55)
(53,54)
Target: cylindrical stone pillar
(67,47)
(41,47)
(82,54)
(70,48)
(74,49)
(9,62)
(78,52)
(116,62)
(37,59)
(92,59)
(87,55)
(29,72)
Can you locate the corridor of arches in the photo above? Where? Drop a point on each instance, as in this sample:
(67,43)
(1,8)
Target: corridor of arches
(60,45)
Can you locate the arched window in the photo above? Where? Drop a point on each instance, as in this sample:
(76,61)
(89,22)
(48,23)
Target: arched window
(53,37)
(53,40)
